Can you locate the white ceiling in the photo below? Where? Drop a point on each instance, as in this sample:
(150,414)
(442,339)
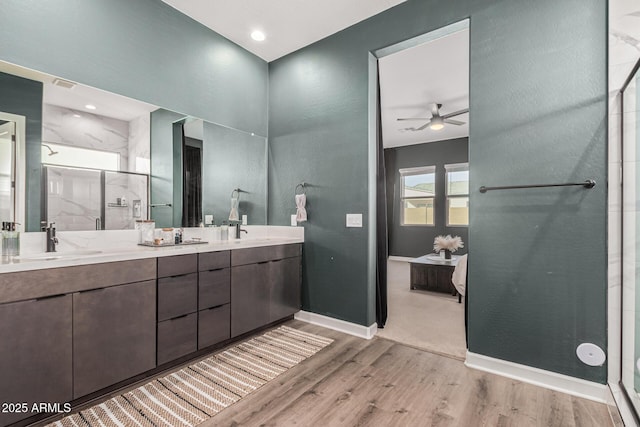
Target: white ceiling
(107,104)
(288,25)
(413,79)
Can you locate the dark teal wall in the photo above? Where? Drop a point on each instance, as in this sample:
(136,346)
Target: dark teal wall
(142,49)
(415,241)
(163,164)
(537,266)
(233,159)
(24,97)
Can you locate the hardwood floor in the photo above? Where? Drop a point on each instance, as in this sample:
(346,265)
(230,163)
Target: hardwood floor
(355,382)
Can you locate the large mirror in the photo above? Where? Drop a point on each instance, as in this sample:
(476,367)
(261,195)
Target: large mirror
(88,159)
(199,166)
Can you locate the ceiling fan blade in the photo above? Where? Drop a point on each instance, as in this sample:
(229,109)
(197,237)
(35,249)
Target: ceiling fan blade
(455,113)
(454,122)
(413,118)
(424,126)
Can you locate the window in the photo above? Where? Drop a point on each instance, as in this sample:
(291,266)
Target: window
(417,195)
(457,194)
(66,155)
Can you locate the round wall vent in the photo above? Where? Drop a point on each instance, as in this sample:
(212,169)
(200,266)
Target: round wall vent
(590,354)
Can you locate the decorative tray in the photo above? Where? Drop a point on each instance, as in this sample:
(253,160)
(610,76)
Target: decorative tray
(184,243)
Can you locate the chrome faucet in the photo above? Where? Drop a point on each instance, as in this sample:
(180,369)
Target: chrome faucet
(52,240)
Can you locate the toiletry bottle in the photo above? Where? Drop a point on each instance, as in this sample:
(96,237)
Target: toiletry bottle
(10,239)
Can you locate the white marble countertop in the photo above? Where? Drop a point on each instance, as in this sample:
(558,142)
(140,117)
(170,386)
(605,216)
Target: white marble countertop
(81,248)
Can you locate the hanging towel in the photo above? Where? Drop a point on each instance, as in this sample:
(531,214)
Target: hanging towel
(459,277)
(301,212)
(233,215)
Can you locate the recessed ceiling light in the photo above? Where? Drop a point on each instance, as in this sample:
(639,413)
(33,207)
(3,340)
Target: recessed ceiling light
(90,107)
(258,36)
(77,116)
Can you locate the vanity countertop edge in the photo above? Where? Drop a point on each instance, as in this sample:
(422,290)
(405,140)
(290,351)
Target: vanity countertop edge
(139,252)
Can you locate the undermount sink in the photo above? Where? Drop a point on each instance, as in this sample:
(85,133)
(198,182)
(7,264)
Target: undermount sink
(57,255)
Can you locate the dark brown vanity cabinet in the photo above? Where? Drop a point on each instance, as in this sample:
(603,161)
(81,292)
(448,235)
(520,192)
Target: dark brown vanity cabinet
(285,280)
(35,354)
(265,285)
(249,297)
(214,296)
(113,335)
(177,306)
(66,332)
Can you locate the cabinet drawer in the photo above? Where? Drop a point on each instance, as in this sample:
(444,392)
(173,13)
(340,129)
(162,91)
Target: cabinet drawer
(214,325)
(177,337)
(177,295)
(214,260)
(26,285)
(179,264)
(214,288)
(265,253)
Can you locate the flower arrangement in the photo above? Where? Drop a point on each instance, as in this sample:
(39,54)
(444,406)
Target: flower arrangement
(447,243)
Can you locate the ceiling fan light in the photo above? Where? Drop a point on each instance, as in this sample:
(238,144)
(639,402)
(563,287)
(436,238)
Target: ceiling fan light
(436,123)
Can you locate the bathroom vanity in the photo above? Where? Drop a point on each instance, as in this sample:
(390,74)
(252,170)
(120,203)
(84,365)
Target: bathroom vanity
(78,326)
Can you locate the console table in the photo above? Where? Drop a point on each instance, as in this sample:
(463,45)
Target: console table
(432,273)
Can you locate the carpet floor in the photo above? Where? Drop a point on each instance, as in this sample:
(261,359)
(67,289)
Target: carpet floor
(430,321)
(193,394)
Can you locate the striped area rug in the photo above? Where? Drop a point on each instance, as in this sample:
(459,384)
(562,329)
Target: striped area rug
(195,393)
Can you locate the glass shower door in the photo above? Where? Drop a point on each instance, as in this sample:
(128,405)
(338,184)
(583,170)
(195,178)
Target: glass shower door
(631,241)
(73,198)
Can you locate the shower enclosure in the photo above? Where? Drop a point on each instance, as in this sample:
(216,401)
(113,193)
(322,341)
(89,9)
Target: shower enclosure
(631,239)
(93,199)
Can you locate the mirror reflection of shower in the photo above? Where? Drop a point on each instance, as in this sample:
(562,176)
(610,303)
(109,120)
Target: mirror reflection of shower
(51,152)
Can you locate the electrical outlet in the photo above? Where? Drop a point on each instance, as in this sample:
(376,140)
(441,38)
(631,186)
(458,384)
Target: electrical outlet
(354,220)
(208,220)
(294,221)
(244,220)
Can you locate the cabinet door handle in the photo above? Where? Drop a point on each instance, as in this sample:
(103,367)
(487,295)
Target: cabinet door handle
(50,297)
(276,260)
(263,262)
(91,290)
(179,317)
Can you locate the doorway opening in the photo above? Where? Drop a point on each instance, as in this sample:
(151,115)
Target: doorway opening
(424,132)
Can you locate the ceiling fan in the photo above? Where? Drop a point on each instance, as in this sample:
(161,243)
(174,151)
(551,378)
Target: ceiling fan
(436,121)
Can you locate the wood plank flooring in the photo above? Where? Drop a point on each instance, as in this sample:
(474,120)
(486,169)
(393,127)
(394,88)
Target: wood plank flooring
(355,382)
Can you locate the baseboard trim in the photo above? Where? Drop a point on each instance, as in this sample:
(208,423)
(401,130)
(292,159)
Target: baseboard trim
(540,377)
(400,258)
(366,332)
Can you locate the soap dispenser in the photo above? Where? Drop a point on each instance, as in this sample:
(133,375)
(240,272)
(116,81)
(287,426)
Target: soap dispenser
(10,239)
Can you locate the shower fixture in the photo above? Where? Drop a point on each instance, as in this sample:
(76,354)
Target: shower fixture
(51,152)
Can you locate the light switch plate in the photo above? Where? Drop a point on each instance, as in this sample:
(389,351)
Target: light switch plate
(294,222)
(354,220)
(208,220)
(244,220)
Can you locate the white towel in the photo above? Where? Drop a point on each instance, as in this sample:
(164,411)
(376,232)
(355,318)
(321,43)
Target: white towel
(233,215)
(459,277)
(301,212)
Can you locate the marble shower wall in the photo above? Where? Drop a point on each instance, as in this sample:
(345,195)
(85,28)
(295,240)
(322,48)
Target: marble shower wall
(60,126)
(139,144)
(133,188)
(73,198)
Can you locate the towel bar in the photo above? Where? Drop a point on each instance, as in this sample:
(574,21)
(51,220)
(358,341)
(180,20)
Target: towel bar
(589,183)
